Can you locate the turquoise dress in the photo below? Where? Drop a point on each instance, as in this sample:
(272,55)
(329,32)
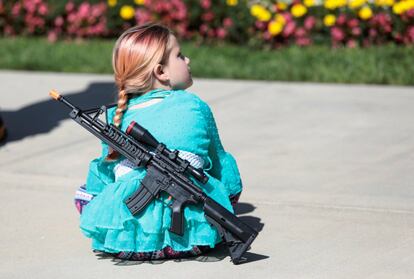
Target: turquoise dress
(182,121)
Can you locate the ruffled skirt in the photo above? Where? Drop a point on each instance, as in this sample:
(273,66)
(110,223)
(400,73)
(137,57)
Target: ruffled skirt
(113,229)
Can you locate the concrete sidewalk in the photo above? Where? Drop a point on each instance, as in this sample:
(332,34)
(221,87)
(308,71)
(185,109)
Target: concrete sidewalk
(327,169)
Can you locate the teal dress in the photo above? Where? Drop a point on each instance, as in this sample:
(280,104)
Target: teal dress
(182,121)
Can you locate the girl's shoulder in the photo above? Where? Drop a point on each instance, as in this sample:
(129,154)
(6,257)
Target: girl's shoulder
(191,98)
(184,101)
(184,95)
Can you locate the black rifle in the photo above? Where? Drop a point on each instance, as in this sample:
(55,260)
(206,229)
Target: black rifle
(168,173)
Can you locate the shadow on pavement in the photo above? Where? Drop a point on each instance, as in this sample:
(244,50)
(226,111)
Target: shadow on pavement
(43,117)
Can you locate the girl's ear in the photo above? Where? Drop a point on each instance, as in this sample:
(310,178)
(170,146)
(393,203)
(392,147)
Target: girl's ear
(160,73)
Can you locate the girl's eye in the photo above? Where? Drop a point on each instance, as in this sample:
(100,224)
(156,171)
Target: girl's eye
(180,55)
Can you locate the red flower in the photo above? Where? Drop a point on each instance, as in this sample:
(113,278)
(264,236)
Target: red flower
(209,16)
(341,20)
(353,22)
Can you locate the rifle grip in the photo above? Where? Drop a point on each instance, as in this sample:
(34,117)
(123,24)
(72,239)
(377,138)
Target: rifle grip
(177,218)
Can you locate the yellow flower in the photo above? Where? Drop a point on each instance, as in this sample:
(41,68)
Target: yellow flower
(330,4)
(265,16)
(403,6)
(354,4)
(139,2)
(398,8)
(255,9)
(281,6)
(232,2)
(280,18)
(298,10)
(329,20)
(112,3)
(407,5)
(384,3)
(275,27)
(260,12)
(309,3)
(365,13)
(127,12)
(341,3)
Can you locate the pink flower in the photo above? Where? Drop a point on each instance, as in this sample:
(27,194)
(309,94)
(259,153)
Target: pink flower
(289,29)
(372,32)
(410,13)
(203,28)
(69,7)
(410,33)
(303,41)
(260,25)
(16,9)
(310,22)
(142,16)
(300,32)
(337,34)
(42,9)
(227,22)
(353,22)
(209,16)
(287,16)
(221,33)
(205,4)
(52,36)
(84,9)
(356,31)
(351,44)
(341,20)
(8,30)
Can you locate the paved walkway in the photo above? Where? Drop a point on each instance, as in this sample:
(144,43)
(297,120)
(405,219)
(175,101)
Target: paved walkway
(328,173)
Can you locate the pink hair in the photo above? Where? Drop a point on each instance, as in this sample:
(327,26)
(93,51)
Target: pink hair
(136,53)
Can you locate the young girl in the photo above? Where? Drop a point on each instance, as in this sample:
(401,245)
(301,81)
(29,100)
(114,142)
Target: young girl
(151,74)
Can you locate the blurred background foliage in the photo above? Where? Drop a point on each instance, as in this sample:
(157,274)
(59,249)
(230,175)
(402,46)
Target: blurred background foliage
(357,41)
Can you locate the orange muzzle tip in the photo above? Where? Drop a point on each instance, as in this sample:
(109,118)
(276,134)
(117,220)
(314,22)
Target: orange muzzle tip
(54,94)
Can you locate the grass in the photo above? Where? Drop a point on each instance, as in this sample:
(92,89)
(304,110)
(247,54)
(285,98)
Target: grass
(388,64)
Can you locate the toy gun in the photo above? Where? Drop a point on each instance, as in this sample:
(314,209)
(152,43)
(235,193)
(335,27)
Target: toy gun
(166,172)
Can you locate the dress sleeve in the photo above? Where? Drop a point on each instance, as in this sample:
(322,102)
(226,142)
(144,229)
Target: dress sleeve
(223,165)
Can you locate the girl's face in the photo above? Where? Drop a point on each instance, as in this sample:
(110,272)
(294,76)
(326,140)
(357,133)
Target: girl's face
(177,67)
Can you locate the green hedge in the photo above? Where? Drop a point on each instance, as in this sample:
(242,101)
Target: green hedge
(388,64)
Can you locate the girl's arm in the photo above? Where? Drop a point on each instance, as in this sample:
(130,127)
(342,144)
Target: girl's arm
(223,164)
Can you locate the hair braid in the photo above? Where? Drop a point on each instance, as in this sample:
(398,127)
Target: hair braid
(119,113)
(122,106)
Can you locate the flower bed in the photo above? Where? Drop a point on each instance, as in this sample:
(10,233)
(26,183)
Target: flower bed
(263,23)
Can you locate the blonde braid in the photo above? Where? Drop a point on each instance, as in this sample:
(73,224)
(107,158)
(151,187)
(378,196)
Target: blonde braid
(122,106)
(119,113)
